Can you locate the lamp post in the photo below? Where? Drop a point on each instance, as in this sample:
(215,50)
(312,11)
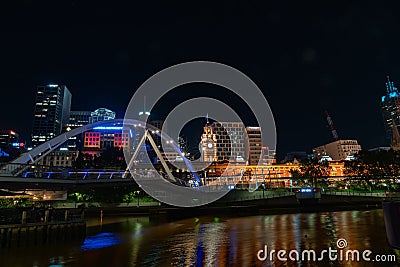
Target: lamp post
(137,195)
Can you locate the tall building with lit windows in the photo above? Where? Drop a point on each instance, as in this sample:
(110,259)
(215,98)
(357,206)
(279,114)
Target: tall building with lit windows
(52,109)
(390,105)
(254,145)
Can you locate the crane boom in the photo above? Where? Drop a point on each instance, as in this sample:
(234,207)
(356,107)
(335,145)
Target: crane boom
(330,123)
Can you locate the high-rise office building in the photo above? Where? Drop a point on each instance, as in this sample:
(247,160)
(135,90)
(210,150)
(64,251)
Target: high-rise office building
(254,145)
(52,109)
(231,141)
(101,114)
(390,106)
(76,119)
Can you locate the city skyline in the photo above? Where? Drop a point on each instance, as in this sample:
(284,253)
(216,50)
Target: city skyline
(304,62)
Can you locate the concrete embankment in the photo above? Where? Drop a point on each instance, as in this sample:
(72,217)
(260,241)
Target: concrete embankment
(242,203)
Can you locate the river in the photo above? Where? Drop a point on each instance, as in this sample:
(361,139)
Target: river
(213,241)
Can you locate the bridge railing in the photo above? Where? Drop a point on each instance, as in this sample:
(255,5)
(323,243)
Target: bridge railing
(10,169)
(352,193)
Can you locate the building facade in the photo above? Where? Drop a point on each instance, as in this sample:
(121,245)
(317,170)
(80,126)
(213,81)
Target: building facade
(337,150)
(78,118)
(254,145)
(231,141)
(104,137)
(59,159)
(8,138)
(101,114)
(52,110)
(390,106)
(268,156)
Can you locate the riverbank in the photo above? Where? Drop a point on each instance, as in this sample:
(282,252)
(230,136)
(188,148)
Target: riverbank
(235,203)
(278,205)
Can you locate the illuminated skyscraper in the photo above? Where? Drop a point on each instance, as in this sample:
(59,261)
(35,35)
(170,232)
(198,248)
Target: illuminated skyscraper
(254,145)
(52,109)
(390,106)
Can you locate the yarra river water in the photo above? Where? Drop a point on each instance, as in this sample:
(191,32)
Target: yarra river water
(211,241)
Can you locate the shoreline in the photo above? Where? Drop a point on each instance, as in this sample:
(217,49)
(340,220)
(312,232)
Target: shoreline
(283,205)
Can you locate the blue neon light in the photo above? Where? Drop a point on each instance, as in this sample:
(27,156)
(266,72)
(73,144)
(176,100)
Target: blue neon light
(108,128)
(306,190)
(101,240)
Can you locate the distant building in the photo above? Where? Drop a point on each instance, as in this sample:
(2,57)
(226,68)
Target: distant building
(268,156)
(231,141)
(395,143)
(59,159)
(156,135)
(254,145)
(182,144)
(337,150)
(8,138)
(78,118)
(104,137)
(390,106)
(101,114)
(52,110)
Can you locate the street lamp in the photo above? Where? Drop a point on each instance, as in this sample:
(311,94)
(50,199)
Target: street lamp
(137,195)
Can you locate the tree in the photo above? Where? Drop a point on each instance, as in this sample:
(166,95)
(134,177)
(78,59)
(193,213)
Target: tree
(311,171)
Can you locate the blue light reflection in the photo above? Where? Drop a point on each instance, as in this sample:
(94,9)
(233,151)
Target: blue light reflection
(102,240)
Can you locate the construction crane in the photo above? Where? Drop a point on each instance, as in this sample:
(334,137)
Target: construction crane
(330,123)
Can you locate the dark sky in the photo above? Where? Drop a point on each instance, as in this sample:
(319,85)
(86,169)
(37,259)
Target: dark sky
(307,57)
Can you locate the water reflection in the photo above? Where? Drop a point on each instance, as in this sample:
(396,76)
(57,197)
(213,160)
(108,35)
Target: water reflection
(101,240)
(209,242)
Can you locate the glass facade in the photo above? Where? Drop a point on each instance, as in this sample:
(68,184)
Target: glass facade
(231,141)
(52,110)
(390,106)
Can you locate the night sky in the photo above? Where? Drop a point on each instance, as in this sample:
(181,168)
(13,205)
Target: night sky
(307,57)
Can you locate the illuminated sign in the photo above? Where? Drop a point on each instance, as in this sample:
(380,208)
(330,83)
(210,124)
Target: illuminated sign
(108,128)
(53,85)
(306,190)
(17,144)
